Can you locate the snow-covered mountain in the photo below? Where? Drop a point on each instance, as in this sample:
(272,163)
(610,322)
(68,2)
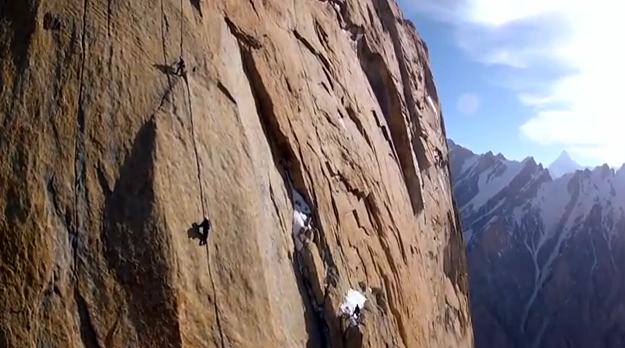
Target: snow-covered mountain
(564,164)
(544,254)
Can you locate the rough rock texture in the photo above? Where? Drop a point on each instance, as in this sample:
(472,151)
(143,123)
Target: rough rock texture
(545,255)
(109,158)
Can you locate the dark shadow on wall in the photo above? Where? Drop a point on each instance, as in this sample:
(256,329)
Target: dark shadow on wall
(20,19)
(390,24)
(135,246)
(193,232)
(455,260)
(197,6)
(353,337)
(314,325)
(387,95)
(165,69)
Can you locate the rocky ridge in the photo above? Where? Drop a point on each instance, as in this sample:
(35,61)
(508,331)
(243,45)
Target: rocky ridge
(544,254)
(318,115)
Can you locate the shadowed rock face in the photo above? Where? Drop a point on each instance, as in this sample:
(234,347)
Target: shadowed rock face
(109,158)
(544,254)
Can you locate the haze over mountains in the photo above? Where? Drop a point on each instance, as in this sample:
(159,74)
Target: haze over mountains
(545,249)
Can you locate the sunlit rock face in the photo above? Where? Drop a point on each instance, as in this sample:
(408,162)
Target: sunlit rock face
(308,132)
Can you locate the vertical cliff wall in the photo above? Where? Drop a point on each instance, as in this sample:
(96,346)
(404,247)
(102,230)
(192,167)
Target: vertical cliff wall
(291,113)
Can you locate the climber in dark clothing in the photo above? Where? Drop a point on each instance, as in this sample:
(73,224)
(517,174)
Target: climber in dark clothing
(181,69)
(356,313)
(204,229)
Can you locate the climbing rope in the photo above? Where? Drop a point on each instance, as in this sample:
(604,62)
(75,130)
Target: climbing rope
(197,156)
(181,27)
(186,80)
(199,177)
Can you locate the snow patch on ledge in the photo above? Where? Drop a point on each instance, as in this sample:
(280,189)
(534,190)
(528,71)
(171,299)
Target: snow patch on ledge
(301,218)
(352,300)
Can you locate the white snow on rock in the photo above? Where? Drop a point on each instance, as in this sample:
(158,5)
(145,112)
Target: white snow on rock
(431,102)
(301,218)
(352,299)
(469,162)
(489,184)
(551,199)
(579,192)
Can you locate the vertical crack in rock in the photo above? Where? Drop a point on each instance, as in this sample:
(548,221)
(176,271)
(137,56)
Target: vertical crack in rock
(314,293)
(356,119)
(87,332)
(108,340)
(247,40)
(386,136)
(392,306)
(109,12)
(386,93)
(52,290)
(349,188)
(253,6)
(197,5)
(390,23)
(53,194)
(222,339)
(455,261)
(397,234)
(78,230)
(103,181)
(374,214)
(164,31)
(281,150)
(80,170)
(323,38)
(326,67)
(226,92)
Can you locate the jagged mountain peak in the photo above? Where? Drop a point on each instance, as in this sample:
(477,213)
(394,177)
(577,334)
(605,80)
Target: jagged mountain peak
(564,156)
(563,164)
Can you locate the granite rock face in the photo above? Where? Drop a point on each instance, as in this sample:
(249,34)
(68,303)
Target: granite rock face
(544,254)
(309,132)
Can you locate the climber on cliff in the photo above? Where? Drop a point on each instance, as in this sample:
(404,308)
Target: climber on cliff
(204,229)
(181,69)
(356,312)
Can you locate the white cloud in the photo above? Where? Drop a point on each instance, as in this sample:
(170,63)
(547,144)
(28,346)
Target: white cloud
(573,48)
(468,103)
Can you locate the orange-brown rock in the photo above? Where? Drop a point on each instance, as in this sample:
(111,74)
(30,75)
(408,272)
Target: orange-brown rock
(108,158)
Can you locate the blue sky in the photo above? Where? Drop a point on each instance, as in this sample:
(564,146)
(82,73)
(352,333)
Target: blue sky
(529,77)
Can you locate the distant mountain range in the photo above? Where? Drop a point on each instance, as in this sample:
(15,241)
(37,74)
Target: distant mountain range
(546,250)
